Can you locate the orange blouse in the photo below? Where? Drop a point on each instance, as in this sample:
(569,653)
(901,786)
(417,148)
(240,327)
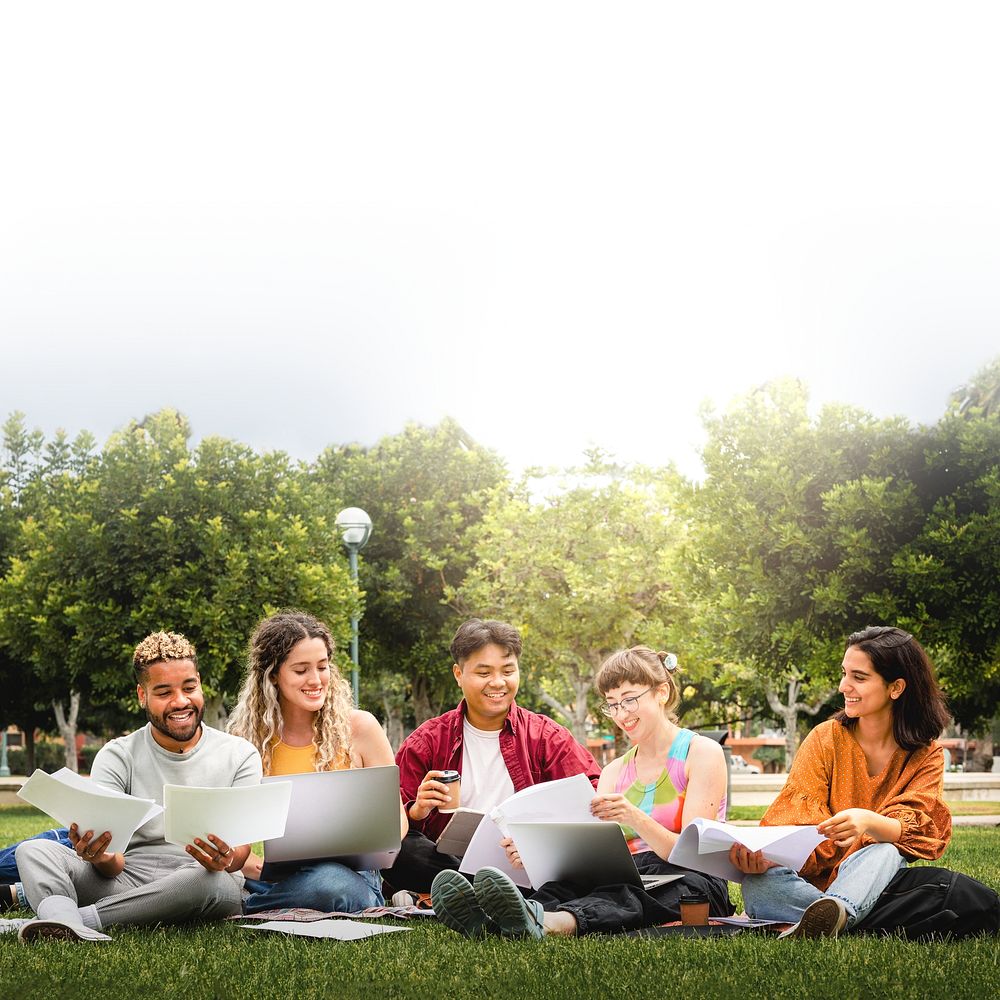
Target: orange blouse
(830,773)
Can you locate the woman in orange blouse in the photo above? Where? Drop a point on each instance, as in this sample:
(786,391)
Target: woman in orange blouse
(871,779)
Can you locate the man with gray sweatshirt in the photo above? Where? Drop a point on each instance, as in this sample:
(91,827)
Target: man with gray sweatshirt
(77,892)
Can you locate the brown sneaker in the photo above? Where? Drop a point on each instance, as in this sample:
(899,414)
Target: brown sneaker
(826,917)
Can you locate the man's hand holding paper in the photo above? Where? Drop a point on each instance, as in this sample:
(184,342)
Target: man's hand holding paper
(94,849)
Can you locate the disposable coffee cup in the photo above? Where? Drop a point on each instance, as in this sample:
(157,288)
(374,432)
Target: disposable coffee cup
(694,909)
(454,782)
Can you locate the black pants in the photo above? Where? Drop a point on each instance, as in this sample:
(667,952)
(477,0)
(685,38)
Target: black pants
(417,863)
(610,909)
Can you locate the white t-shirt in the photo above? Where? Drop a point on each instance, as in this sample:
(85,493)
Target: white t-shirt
(485,780)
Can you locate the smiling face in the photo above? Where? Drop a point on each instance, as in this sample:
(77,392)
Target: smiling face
(174,702)
(865,691)
(488,678)
(303,679)
(647,717)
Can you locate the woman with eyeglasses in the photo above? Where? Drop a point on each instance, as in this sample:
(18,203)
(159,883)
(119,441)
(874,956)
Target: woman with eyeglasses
(871,780)
(667,778)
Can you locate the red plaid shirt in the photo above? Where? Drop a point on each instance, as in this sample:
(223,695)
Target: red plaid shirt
(533,747)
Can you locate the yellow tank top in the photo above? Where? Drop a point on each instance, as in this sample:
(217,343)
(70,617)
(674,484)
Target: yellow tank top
(292,760)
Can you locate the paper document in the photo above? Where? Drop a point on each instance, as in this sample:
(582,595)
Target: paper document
(240,815)
(704,846)
(338,930)
(69,798)
(564,800)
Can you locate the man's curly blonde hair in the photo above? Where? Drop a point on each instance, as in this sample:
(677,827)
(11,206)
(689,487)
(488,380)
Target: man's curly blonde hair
(257,715)
(160,646)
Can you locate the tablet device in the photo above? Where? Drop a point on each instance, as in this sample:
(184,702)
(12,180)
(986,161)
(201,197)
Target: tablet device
(456,835)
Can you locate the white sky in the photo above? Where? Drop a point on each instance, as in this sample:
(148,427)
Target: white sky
(561,223)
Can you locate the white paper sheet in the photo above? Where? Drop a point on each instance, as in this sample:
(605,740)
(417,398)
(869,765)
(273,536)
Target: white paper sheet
(240,815)
(704,846)
(337,930)
(68,798)
(484,849)
(564,800)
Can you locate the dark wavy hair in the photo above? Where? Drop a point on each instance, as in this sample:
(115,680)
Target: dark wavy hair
(920,712)
(475,633)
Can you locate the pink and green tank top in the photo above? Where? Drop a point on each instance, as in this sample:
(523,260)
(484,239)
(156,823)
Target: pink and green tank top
(664,798)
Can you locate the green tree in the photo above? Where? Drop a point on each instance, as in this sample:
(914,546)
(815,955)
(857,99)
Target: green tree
(424,489)
(43,494)
(948,576)
(980,396)
(161,536)
(582,573)
(794,530)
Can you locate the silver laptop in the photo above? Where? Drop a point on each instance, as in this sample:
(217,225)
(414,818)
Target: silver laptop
(347,816)
(587,854)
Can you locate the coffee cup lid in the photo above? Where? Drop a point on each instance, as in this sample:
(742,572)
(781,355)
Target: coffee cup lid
(694,897)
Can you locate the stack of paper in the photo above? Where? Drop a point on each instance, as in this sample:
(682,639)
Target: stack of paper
(240,815)
(68,798)
(704,844)
(566,800)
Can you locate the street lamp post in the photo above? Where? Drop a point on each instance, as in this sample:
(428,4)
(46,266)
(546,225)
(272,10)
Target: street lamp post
(355,530)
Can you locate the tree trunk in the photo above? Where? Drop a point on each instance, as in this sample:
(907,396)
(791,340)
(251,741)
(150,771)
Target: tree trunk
(789,711)
(983,759)
(67,727)
(575,714)
(29,750)
(215,715)
(393,723)
(420,698)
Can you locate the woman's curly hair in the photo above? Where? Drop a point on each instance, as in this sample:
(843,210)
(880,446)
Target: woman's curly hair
(257,715)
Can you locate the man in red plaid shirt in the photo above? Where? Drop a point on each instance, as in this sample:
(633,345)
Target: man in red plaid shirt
(497,747)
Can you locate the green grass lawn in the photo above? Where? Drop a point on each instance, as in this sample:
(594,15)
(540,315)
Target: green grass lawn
(223,960)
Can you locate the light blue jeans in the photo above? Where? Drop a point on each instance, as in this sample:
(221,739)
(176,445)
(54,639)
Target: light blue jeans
(326,886)
(781,894)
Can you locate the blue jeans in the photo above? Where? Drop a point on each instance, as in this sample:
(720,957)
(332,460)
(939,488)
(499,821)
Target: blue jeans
(9,874)
(781,894)
(326,886)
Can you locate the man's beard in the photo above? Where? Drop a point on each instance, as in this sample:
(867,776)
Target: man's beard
(181,735)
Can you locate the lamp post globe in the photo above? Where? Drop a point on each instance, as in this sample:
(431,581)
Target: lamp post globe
(355,529)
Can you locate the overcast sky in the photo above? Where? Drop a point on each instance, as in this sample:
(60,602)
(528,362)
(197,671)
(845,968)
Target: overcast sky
(560,223)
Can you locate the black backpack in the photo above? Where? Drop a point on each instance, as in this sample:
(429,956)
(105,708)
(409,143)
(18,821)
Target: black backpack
(933,902)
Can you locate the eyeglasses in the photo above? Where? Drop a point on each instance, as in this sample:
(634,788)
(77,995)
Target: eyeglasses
(612,708)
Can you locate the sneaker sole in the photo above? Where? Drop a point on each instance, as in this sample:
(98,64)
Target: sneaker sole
(824,918)
(55,930)
(504,905)
(456,906)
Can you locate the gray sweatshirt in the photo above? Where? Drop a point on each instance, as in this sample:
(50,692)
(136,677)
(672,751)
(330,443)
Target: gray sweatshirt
(137,765)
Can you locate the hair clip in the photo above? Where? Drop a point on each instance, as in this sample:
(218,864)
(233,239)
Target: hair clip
(670,662)
(901,638)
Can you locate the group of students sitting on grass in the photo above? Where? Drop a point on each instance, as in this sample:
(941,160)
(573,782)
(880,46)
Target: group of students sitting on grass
(870,780)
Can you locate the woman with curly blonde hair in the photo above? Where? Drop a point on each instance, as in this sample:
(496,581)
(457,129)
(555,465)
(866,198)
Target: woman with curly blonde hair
(295,707)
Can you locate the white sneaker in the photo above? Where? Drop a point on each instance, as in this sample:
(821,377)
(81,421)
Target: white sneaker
(826,917)
(403,898)
(57,930)
(13,926)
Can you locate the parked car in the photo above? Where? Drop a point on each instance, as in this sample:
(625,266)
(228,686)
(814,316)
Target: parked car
(739,766)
